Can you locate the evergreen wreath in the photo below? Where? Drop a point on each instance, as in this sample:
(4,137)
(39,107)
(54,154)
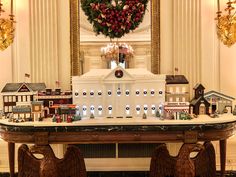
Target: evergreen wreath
(114,18)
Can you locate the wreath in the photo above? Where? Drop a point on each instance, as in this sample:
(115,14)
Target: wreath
(114,18)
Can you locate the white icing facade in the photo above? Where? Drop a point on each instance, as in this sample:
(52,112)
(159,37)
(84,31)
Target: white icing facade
(118,93)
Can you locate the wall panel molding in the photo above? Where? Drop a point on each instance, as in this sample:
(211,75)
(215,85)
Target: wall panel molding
(187,39)
(44,43)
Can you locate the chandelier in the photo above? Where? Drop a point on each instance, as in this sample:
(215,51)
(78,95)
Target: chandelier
(117,52)
(226,23)
(7,28)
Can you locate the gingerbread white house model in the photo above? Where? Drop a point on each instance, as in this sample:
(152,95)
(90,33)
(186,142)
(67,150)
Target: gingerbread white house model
(118,93)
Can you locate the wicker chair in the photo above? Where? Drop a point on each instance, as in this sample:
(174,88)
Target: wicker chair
(72,165)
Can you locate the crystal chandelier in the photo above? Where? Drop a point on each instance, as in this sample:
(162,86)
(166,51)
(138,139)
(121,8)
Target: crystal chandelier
(117,52)
(226,23)
(7,28)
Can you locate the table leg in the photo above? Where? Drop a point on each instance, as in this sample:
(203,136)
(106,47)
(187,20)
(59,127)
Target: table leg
(11,155)
(222,157)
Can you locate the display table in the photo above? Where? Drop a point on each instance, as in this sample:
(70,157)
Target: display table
(119,130)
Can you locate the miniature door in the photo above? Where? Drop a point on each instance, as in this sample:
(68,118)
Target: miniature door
(202,109)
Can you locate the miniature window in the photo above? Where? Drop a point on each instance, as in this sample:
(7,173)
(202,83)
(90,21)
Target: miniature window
(170,99)
(24,98)
(19,98)
(6,109)
(145,108)
(183,99)
(10,98)
(92,108)
(152,92)
(127,109)
(145,92)
(76,94)
(183,89)
(109,92)
(91,93)
(50,103)
(177,99)
(10,108)
(99,110)
(118,92)
(137,92)
(84,110)
(14,99)
(127,93)
(160,108)
(177,90)
(109,109)
(171,89)
(5,98)
(160,92)
(84,93)
(138,109)
(99,93)
(28,98)
(153,109)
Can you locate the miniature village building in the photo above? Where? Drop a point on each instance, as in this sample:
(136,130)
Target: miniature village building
(118,93)
(22,113)
(199,105)
(51,98)
(37,110)
(177,88)
(19,94)
(177,96)
(219,102)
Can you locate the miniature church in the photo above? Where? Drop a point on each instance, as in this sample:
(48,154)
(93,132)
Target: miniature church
(199,105)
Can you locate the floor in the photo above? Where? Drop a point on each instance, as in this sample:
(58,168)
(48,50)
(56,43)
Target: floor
(125,174)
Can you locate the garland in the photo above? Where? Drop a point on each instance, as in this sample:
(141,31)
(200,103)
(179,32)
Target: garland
(114,18)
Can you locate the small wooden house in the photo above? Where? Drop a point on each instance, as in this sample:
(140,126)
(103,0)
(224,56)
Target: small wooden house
(199,105)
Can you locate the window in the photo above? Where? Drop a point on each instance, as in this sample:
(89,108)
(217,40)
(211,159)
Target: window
(127,93)
(127,109)
(92,108)
(183,89)
(145,108)
(110,109)
(152,92)
(109,92)
(5,98)
(177,99)
(138,109)
(50,103)
(176,89)
(100,110)
(84,93)
(170,99)
(137,92)
(84,110)
(99,93)
(153,109)
(91,93)
(76,94)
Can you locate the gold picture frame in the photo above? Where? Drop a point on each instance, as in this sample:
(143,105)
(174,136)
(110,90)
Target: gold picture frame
(75,37)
